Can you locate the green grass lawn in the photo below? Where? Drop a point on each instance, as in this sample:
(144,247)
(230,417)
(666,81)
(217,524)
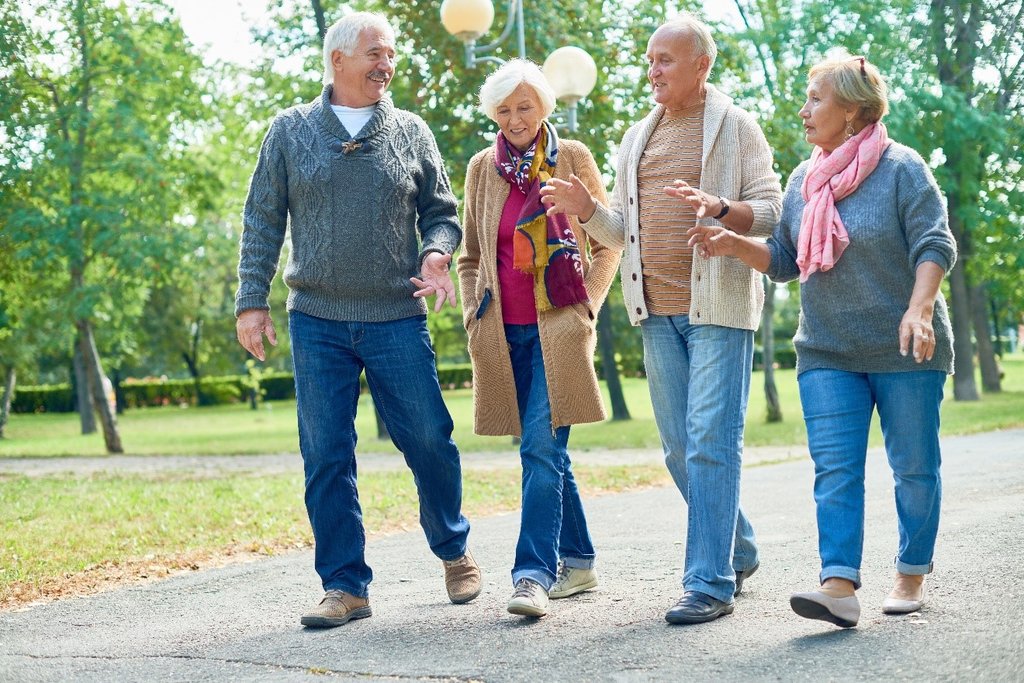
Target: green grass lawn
(235,429)
(60,534)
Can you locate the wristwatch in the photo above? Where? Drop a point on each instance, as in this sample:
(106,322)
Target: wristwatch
(725,208)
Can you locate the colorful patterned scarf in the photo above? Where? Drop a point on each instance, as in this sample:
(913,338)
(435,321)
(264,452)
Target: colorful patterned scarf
(830,177)
(542,245)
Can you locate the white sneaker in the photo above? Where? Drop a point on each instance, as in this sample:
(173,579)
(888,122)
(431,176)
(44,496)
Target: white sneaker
(529,599)
(572,580)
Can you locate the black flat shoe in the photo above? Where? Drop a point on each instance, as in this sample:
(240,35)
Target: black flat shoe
(696,608)
(742,576)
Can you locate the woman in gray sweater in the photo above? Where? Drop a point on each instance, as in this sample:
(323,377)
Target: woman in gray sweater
(864,227)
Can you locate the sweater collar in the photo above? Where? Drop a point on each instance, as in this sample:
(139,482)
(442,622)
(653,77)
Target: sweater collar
(716,104)
(377,123)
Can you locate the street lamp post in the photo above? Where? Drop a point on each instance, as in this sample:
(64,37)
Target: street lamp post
(570,70)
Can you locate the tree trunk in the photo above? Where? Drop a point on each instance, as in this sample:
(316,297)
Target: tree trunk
(84,399)
(5,400)
(318,14)
(94,372)
(997,325)
(990,382)
(771,392)
(964,386)
(610,369)
(119,399)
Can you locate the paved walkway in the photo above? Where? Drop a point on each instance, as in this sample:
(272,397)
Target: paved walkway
(213,465)
(241,622)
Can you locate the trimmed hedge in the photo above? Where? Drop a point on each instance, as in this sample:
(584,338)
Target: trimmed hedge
(138,393)
(53,398)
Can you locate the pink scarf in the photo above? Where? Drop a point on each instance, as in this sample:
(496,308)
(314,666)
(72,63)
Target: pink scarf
(831,177)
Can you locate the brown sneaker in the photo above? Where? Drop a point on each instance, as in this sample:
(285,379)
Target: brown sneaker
(462,578)
(336,608)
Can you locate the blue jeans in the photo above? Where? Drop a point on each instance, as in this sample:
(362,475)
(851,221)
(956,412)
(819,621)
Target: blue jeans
(837,409)
(699,379)
(328,357)
(553,525)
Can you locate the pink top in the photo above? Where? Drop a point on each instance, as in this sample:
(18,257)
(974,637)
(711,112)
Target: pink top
(517,304)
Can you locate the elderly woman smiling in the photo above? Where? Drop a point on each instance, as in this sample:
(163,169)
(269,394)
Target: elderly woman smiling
(864,228)
(531,289)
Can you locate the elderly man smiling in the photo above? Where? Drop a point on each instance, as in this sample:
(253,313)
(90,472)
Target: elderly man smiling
(373,227)
(695,158)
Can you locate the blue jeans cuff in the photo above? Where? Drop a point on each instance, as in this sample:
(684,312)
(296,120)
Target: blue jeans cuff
(848,573)
(913,569)
(578,562)
(539,575)
(719,591)
(449,556)
(359,593)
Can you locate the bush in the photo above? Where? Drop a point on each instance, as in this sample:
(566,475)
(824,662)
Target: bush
(54,398)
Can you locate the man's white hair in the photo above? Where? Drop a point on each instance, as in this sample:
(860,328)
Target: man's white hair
(509,76)
(703,42)
(344,35)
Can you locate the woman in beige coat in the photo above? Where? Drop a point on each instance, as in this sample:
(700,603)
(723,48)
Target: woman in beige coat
(530,296)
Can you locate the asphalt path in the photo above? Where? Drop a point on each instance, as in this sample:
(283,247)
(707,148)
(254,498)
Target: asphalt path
(241,622)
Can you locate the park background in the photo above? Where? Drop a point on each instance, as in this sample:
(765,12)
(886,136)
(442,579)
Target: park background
(125,153)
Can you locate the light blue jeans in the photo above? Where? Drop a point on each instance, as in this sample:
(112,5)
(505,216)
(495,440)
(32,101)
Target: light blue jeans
(837,409)
(553,524)
(699,379)
(328,356)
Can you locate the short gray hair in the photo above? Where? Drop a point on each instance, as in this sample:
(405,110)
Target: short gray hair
(344,35)
(703,42)
(509,76)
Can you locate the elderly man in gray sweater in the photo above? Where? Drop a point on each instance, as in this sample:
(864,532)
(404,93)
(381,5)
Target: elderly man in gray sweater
(374,224)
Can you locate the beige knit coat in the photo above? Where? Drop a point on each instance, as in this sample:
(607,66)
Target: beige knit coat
(567,335)
(736,163)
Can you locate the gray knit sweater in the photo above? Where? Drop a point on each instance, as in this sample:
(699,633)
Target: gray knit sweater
(850,315)
(354,214)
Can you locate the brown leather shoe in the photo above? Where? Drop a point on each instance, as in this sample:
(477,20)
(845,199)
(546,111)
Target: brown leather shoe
(462,578)
(336,608)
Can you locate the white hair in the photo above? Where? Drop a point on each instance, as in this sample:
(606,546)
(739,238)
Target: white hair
(703,42)
(344,35)
(505,79)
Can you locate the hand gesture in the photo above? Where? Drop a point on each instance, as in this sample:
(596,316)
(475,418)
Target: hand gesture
(713,240)
(250,328)
(701,201)
(569,197)
(435,279)
(917,334)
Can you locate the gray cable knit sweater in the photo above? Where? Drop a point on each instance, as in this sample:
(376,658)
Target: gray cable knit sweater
(354,208)
(850,315)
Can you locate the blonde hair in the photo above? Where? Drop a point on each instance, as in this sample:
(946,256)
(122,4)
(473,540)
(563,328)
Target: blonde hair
(505,79)
(856,82)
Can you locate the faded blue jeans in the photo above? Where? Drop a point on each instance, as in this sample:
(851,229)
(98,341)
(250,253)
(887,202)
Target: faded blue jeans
(328,357)
(699,379)
(553,525)
(837,409)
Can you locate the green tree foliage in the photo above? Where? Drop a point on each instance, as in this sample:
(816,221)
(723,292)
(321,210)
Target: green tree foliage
(105,103)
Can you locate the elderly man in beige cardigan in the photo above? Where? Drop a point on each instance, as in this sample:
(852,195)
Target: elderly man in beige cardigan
(696,158)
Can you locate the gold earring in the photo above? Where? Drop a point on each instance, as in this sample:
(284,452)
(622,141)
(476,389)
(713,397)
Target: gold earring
(849,129)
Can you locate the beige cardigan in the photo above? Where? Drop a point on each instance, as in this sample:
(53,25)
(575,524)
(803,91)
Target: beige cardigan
(567,335)
(737,165)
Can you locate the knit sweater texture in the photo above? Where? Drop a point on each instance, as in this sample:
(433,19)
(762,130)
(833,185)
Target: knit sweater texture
(362,213)
(736,163)
(850,315)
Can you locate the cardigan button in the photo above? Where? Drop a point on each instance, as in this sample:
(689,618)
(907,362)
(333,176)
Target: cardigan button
(639,310)
(630,200)
(632,238)
(634,277)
